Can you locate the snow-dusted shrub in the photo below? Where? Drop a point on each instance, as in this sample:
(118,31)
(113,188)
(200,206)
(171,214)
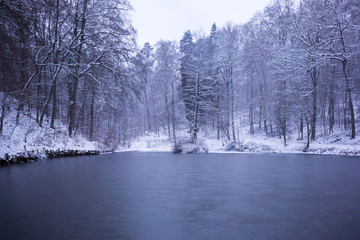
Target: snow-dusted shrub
(233,146)
(185,146)
(248,147)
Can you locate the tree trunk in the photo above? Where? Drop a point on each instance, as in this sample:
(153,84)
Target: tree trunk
(331,110)
(283,130)
(345,107)
(301,127)
(232,105)
(314,78)
(347,82)
(54,107)
(265,127)
(23,66)
(81,117)
(173,114)
(251,109)
(226,119)
(313,120)
(74,80)
(50,94)
(196,112)
(218,118)
(2,116)
(56,43)
(260,117)
(92,113)
(349,97)
(308,134)
(147,111)
(167,114)
(38,97)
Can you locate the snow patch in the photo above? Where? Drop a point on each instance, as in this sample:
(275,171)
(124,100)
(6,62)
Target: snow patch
(28,136)
(337,144)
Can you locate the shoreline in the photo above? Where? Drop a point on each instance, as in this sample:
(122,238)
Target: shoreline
(244,152)
(32,156)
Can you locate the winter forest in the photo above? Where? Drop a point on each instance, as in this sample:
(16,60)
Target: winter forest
(291,72)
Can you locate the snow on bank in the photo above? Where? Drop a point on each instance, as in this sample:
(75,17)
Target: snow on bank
(337,144)
(28,136)
(150,142)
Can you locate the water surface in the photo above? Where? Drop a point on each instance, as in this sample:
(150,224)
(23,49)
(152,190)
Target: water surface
(164,196)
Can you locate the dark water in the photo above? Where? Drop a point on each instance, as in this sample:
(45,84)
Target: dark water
(165,196)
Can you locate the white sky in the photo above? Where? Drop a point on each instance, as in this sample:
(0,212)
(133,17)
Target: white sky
(169,19)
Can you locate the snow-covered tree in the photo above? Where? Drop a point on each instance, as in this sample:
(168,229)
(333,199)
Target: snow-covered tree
(227,59)
(197,87)
(167,75)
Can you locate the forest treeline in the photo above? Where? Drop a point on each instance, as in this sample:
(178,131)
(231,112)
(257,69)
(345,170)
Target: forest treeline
(292,70)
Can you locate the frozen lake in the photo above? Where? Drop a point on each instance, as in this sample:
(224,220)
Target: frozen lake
(164,196)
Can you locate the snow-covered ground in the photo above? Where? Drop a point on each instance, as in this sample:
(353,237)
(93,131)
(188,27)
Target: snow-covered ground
(335,144)
(150,142)
(28,136)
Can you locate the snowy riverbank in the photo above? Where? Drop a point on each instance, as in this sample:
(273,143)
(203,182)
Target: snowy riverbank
(27,137)
(338,144)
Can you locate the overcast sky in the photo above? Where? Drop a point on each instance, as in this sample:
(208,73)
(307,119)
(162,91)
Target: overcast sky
(169,19)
